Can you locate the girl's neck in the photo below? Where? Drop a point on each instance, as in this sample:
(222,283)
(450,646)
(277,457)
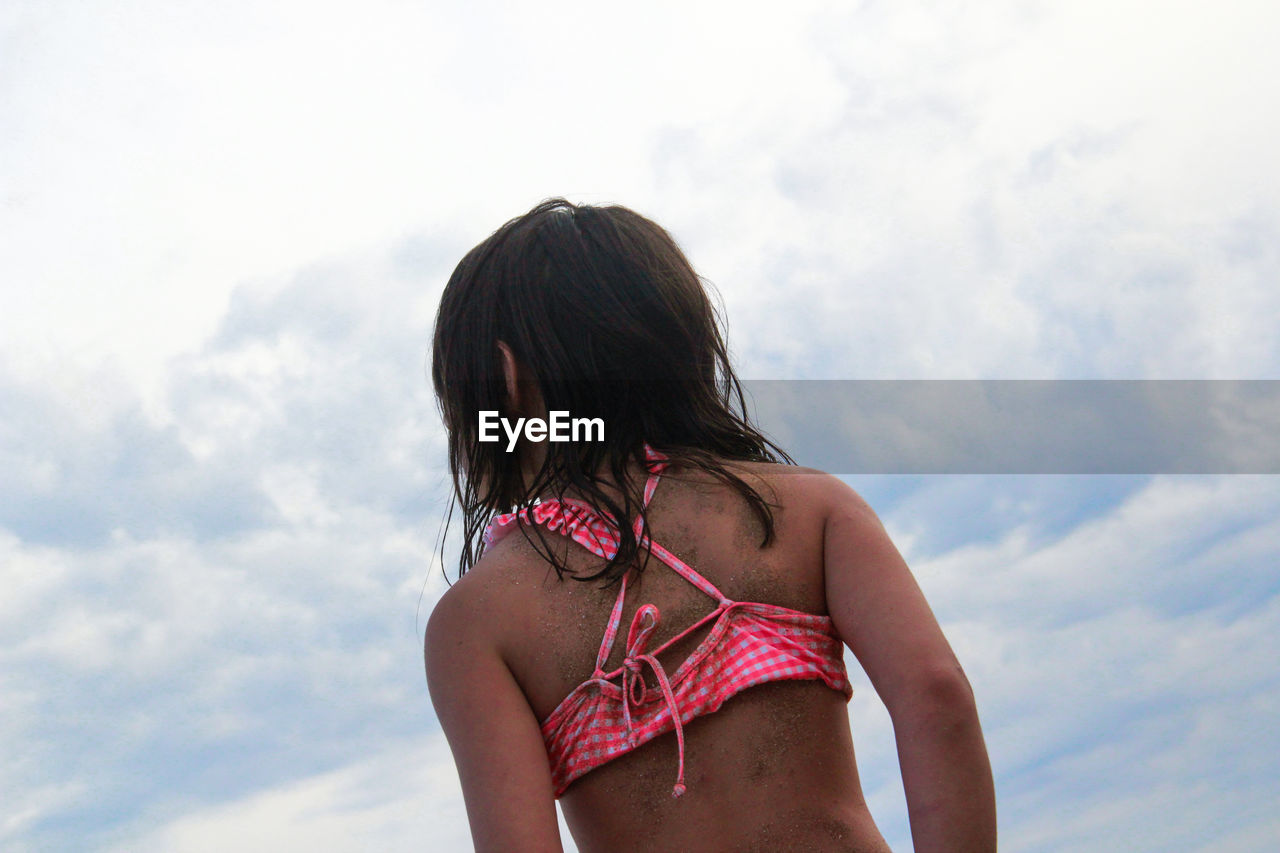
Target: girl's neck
(635,477)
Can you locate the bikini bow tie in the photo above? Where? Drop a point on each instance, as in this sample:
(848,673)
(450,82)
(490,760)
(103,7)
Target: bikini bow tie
(635,691)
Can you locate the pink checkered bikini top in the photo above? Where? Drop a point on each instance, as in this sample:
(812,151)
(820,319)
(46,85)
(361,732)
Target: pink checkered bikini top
(612,713)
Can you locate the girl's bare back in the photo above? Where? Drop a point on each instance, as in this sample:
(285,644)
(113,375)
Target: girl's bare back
(774,768)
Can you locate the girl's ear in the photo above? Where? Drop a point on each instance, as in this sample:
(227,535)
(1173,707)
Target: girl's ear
(509,373)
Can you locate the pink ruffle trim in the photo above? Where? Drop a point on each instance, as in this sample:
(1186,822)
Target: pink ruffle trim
(569,518)
(593,531)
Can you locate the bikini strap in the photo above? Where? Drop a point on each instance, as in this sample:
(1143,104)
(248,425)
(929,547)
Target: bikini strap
(687,572)
(657,463)
(681,568)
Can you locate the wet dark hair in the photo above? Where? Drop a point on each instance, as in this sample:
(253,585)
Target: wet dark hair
(606,313)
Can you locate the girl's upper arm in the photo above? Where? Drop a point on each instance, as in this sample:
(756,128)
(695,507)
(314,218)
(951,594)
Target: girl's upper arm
(879,610)
(494,735)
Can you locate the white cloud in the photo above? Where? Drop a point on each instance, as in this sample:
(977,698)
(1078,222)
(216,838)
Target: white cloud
(966,193)
(404,798)
(1124,669)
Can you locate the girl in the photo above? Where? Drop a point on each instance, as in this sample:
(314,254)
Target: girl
(650,616)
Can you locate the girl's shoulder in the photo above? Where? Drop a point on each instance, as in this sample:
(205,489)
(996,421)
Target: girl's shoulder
(796,485)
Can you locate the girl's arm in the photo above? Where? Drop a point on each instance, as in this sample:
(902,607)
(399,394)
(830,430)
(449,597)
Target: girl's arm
(494,734)
(882,616)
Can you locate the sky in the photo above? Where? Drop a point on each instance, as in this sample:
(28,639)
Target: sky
(224,229)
